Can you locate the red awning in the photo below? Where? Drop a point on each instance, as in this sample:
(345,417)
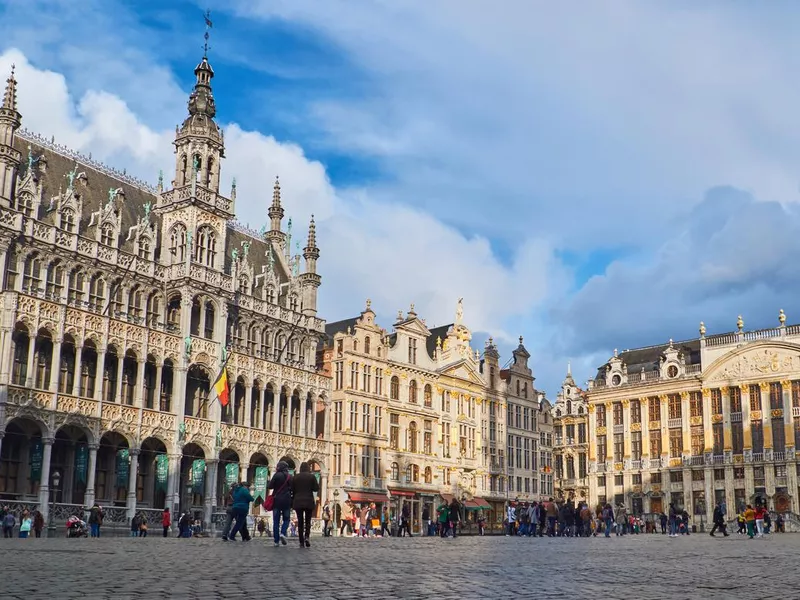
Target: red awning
(366,497)
(478,503)
(447,497)
(405,493)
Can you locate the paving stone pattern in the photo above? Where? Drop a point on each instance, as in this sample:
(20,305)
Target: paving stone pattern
(642,567)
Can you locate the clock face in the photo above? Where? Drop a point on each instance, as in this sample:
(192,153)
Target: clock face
(672,371)
(616,380)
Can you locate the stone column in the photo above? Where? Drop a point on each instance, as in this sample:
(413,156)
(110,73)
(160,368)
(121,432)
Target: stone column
(157,387)
(248,405)
(88,499)
(120,363)
(709,492)
(173,484)
(788,420)
(791,484)
(210,491)
(139,385)
(30,376)
(132,480)
(77,369)
(766,417)
(730,494)
(747,443)
(645,418)
(665,452)
(708,429)
(276,409)
(263,423)
(55,364)
(44,479)
(303,415)
(98,375)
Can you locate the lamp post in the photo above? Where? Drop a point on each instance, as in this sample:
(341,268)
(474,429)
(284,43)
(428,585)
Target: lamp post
(56,481)
(336,509)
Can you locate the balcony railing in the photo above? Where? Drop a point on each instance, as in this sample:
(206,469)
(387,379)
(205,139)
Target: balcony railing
(636,465)
(620,428)
(693,461)
(736,417)
(796,412)
(758,457)
(779,456)
(675,423)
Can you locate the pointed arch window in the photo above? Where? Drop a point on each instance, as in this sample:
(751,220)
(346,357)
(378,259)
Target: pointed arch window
(209,172)
(144,248)
(97,292)
(412,391)
(55,281)
(32,275)
(107,234)
(270,294)
(77,284)
(395,471)
(135,300)
(265,345)
(205,250)
(68,220)
(177,242)
(25,204)
(293,302)
(244,285)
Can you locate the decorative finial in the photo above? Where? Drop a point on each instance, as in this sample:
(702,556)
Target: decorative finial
(369,304)
(276,192)
(782,318)
(702,329)
(459,311)
(160,180)
(209,25)
(569,368)
(399,315)
(670,342)
(438,341)
(411,309)
(520,340)
(615,353)
(739,323)
(10,96)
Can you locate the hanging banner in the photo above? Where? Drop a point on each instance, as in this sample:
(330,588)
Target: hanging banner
(81,462)
(231,475)
(37,455)
(260,483)
(162,472)
(198,476)
(318,475)
(123,467)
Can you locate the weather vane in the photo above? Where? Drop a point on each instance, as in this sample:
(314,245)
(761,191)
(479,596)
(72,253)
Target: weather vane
(209,25)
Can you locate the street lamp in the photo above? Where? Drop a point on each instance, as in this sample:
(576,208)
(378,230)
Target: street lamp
(56,481)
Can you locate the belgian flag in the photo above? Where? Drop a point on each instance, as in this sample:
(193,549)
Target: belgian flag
(221,387)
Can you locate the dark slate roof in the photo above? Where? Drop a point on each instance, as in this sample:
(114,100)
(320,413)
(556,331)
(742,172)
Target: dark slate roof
(649,357)
(331,329)
(94,194)
(436,332)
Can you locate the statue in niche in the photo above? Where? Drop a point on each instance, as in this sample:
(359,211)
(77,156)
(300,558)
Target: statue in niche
(187,342)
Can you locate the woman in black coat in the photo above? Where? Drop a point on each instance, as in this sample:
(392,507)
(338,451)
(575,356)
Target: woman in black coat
(303,485)
(280,484)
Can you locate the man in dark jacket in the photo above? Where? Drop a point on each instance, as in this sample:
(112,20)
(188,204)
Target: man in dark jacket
(241,507)
(719,521)
(280,484)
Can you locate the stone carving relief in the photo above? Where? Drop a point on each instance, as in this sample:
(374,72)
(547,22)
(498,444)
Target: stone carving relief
(765,361)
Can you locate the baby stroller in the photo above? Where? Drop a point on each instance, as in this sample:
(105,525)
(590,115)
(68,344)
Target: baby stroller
(76,528)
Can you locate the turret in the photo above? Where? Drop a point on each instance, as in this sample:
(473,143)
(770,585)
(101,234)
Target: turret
(275,235)
(310,281)
(10,121)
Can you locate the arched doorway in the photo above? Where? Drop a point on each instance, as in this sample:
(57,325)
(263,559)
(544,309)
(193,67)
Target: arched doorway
(113,470)
(153,476)
(289,461)
(258,474)
(192,484)
(228,473)
(319,420)
(21,460)
(70,457)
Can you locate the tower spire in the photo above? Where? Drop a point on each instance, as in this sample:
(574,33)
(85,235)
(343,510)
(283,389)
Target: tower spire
(209,25)
(311,252)
(276,210)
(10,95)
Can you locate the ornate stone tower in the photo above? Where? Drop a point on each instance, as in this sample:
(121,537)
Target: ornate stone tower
(10,121)
(309,280)
(194,214)
(275,235)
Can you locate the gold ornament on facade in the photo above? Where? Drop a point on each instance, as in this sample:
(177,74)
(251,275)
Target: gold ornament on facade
(695,421)
(723,390)
(755,415)
(675,462)
(738,459)
(664,399)
(656,488)
(636,426)
(654,425)
(786,384)
(601,431)
(590,408)
(618,466)
(777,413)
(764,385)
(716,418)
(626,403)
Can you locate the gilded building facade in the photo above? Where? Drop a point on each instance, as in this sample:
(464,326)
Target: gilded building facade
(121,303)
(571,441)
(529,427)
(696,422)
(410,416)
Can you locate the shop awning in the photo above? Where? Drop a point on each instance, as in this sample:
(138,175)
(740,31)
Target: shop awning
(477,504)
(447,497)
(366,497)
(406,493)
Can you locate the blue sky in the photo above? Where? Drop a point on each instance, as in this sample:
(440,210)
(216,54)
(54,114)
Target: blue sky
(589,175)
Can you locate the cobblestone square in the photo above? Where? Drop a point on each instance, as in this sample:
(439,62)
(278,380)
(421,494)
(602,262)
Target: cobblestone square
(645,567)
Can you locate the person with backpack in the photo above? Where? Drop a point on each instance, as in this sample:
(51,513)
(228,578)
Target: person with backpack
(241,507)
(280,502)
(9,521)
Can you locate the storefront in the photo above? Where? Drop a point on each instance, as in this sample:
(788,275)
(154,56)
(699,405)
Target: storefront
(413,501)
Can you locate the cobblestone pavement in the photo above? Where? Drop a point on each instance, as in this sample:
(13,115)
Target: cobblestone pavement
(644,567)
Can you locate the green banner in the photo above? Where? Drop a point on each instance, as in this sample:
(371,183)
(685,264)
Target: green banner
(261,481)
(123,467)
(37,456)
(162,472)
(318,475)
(81,462)
(198,476)
(231,475)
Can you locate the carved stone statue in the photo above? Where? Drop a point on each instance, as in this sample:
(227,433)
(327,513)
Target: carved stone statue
(235,254)
(182,432)
(245,248)
(219,438)
(187,342)
(148,206)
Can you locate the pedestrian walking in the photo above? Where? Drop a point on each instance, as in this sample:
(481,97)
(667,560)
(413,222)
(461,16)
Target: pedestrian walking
(166,521)
(326,520)
(405,521)
(38,523)
(95,520)
(304,485)
(241,507)
(25,526)
(750,519)
(719,520)
(281,502)
(9,521)
(444,518)
(455,516)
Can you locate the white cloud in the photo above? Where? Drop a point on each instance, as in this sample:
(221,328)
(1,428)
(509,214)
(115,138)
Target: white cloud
(389,252)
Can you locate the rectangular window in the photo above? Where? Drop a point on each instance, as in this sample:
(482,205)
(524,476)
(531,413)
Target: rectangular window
(674,406)
(525,418)
(581,466)
(696,404)
(654,409)
(755,397)
(795,395)
(778,435)
(737,437)
(412,351)
(337,459)
(337,415)
(636,445)
(655,443)
(427,440)
(379,382)
(378,422)
(698,440)
(365,418)
(757,429)
(354,416)
(354,376)
(736,399)
(446,440)
(716,402)
(394,431)
(366,461)
(601,448)
(367,379)
(581,433)
(619,446)
(376,460)
(339,380)
(353,465)
(618,413)
(601,416)
(719,439)
(775,395)
(636,411)
(675,443)
(655,477)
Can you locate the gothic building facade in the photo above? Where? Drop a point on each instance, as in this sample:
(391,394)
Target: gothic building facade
(418,416)
(121,304)
(571,441)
